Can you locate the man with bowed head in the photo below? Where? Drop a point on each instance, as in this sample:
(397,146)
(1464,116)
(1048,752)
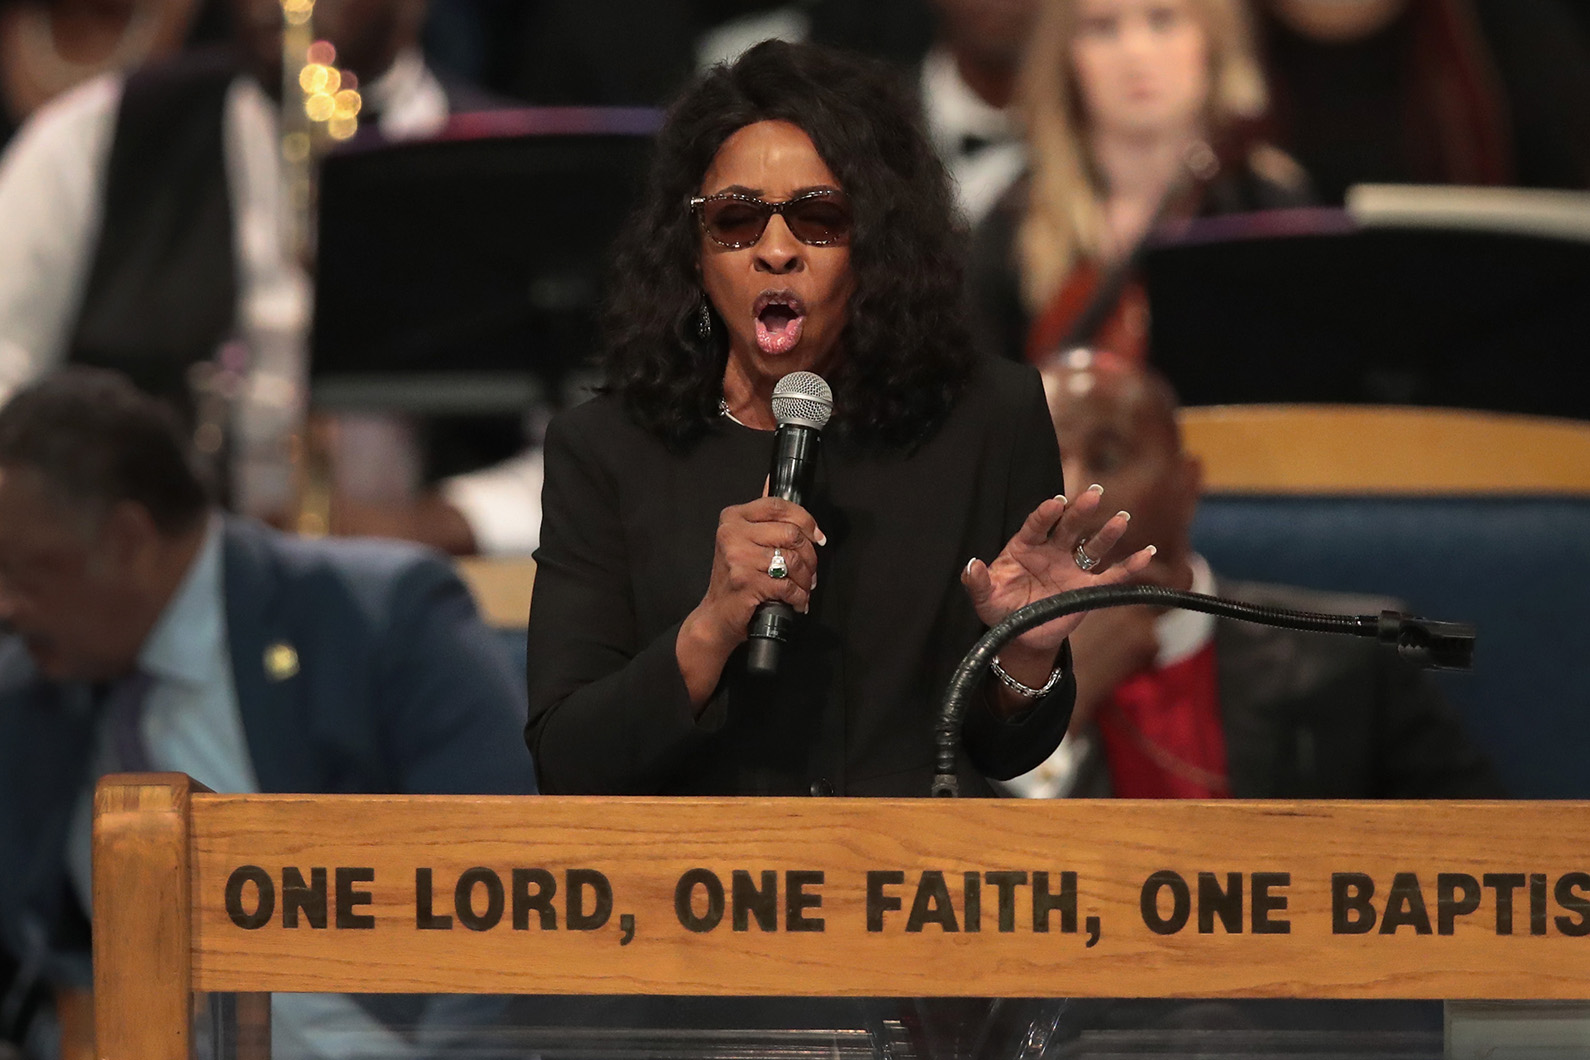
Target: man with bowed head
(140,630)
(1178,704)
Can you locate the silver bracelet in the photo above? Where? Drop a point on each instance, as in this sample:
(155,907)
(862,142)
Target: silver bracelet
(1026,690)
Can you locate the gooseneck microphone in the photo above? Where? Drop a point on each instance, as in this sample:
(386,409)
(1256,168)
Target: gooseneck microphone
(802,403)
(1423,642)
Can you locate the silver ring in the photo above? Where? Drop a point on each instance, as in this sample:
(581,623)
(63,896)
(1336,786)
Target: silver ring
(776,567)
(1085,561)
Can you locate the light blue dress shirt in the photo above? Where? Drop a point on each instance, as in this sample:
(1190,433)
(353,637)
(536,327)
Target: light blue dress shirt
(192,724)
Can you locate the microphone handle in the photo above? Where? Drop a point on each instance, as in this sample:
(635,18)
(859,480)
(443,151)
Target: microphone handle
(771,626)
(790,477)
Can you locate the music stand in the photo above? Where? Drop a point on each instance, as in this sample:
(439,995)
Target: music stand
(463,274)
(1460,297)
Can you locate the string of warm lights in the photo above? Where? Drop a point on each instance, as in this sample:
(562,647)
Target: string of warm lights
(330,95)
(320,105)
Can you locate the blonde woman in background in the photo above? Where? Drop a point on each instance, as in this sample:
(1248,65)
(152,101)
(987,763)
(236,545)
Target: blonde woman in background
(1136,111)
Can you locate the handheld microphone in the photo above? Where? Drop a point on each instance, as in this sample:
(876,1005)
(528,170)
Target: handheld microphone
(802,403)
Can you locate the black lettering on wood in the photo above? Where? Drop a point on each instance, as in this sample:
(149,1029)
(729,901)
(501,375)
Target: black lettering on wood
(684,900)
(425,919)
(1005,882)
(464,898)
(1213,900)
(972,901)
(747,899)
(1352,907)
(1265,903)
(1180,902)
(546,888)
(1537,903)
(878,902)
(265,897)
(298,897)
(1405,905)
(1568,887)
(1456,894)
(577,882)
(1504,884)
(349,900)
(932,904)
(797,899)
(1045,901)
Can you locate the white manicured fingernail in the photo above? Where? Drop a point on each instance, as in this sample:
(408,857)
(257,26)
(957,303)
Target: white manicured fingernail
(968,568)
(1153,550)
(1061,497)
(822,538)
(1096,488)
(1125,515)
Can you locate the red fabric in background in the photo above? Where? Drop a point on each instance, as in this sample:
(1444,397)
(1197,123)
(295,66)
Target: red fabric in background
(1162,735)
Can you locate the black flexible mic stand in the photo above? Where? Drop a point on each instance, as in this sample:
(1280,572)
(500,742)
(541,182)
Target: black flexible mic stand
(1438,645)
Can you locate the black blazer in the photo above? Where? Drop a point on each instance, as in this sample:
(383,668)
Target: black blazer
(1312,716)
(626,553)
(1316,716)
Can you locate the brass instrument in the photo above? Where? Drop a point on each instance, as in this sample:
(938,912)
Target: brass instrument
(320,106)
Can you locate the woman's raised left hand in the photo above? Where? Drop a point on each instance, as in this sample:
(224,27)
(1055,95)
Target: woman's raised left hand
(1040,561)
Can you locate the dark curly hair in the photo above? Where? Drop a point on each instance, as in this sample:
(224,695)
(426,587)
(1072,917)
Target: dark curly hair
(96,439)
(906,348)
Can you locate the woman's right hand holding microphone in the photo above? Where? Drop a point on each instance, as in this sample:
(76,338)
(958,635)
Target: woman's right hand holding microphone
(765,550)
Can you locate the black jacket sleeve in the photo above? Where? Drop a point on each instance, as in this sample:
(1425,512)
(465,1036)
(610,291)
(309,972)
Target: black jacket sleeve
(1005,748)
(608,714)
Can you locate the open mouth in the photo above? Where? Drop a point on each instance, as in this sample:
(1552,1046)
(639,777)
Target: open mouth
(779,319)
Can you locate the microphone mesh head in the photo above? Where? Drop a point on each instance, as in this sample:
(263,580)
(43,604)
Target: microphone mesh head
(803,398)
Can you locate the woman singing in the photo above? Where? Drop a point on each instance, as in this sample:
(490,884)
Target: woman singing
(796,218)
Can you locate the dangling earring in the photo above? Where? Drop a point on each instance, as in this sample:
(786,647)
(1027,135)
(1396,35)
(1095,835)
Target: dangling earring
(704,322)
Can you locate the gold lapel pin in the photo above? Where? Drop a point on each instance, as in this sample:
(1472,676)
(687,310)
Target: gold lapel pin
(281,661)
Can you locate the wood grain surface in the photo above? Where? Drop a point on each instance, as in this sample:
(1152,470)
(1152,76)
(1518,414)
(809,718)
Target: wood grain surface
(1361,449)
(142,877)
(501,587)
(1468,861)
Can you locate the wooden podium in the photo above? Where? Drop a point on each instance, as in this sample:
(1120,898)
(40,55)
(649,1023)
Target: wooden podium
(249,894)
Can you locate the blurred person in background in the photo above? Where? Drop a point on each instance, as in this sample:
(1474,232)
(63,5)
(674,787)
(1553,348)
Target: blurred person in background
(1434,91)
(1179,704)
(964,52)
(968,79)
(476,40)
(50,46)
(569,53)
(141,630)
(145,219)
(1136,111)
